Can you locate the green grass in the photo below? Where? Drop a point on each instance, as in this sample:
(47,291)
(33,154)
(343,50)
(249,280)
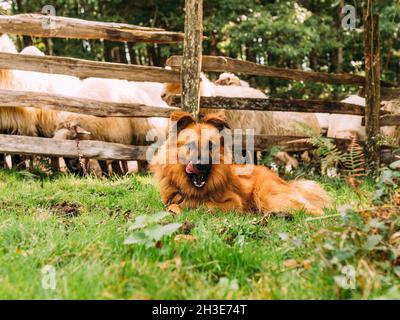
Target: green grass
(92,261)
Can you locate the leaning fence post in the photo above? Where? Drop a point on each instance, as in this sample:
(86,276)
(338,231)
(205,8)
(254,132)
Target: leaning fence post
(192,56)
(372,87)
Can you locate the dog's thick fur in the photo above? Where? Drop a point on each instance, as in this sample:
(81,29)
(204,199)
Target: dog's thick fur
(260,191)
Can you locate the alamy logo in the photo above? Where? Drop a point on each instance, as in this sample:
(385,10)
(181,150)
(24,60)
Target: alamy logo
(347,279)
(49,281)
(49,23)
(349,19)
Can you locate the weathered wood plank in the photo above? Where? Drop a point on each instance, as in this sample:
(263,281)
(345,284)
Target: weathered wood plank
(372,87)
(320,106)
(388,120)
(10,98)
(225,64)
(303,144)
(11,144)
(85,68)
(387,154)
(192,53)
(37,25)
(264,142)
(68,148)
(388,94)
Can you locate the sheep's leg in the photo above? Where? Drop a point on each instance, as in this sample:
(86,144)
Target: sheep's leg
(18,161)
(94,167)
(124,165)
(73,165)
(290,162)
(2,160)
(116,169)
(142,166)
(104,167)
(63,165)
(8,161)
(55,164)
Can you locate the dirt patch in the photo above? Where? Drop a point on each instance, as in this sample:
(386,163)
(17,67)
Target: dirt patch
(67,209)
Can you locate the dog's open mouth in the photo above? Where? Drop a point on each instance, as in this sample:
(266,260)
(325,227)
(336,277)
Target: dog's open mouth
(198,174)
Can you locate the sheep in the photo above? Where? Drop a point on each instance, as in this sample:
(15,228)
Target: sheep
(345,126)
(270,123)
(392,132)
(113,129)
(229,79)
(32,51)
(20,121)
(262,122)
(31,121)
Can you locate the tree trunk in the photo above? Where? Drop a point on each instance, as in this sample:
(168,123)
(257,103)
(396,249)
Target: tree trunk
(372,86)
(192,57)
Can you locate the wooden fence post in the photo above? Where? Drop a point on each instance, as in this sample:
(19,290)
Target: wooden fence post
(372,86)
(192,57)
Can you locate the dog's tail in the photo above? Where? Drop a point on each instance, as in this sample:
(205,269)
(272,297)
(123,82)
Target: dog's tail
(312,195)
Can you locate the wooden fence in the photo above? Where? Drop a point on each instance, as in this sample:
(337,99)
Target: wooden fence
(192,62)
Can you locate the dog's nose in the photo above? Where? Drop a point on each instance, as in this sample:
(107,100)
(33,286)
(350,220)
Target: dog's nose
(202,167)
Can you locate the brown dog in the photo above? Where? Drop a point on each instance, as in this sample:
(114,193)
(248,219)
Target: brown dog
(185,178)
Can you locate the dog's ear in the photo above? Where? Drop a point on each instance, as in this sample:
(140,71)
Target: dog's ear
(182,119)
(217,120)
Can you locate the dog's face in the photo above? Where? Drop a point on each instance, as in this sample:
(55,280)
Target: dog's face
(199,147)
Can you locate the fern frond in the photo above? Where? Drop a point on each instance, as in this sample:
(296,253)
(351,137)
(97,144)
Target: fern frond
(354,159)
(327,151)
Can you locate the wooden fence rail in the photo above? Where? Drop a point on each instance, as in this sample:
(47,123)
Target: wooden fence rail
(389,120)
(37,25)
(224,64)
(68,148)
(290,105)
(85,68)
(12,99)
(12,144)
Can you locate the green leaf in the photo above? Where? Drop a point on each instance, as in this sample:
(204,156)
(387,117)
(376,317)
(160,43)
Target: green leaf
(395,165)
(397,270)
(376,224)
(157,232)
(137,238)
(372,241)
(387,177)
(143,221)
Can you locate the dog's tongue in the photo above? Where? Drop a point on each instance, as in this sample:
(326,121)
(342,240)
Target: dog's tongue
(190,169)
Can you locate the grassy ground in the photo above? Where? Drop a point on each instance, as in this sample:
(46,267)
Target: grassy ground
(78,225)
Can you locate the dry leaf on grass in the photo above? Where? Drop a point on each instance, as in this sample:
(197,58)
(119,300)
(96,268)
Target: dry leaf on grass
(177,262)
(290,263)
(307,264)
(184,238)
(175,209)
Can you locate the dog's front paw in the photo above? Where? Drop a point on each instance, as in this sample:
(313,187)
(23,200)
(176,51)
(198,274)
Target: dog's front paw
(173,197)
(174,208)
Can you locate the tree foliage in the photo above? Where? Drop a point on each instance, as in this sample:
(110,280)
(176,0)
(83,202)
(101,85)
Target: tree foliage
(304,34)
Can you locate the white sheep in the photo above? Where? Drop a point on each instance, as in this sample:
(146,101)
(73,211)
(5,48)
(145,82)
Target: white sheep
(345,126)
(31,121)
(14,120)
(262,122)
(114,129)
